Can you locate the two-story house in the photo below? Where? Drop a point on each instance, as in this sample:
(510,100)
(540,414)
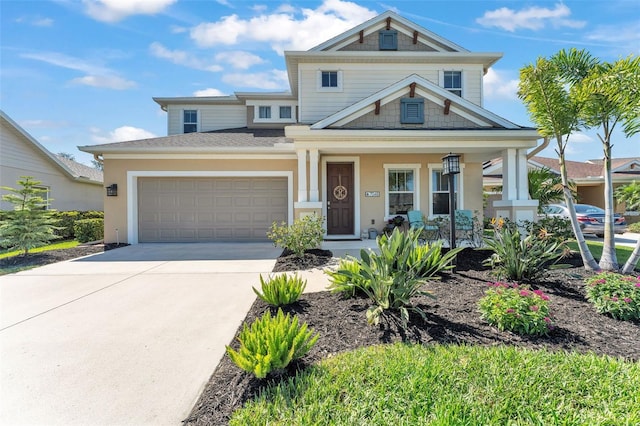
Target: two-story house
(359,139)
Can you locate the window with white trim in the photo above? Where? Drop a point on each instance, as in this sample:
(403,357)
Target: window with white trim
(329,81)
(401,188)
(285,112)
(440,192)
(190,121)
(452,81)
(44,195)
(264,112)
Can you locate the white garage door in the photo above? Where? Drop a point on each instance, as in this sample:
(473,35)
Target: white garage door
(210,208)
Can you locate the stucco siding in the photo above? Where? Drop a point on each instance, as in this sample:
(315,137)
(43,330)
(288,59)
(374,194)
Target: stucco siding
(359,81)
(210,117)
(20,158)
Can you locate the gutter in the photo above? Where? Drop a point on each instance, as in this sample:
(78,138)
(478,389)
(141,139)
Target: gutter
(539,148)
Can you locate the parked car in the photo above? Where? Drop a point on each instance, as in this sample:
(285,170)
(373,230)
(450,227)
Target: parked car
(591,218)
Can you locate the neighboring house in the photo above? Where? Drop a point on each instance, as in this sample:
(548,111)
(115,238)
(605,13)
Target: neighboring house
(70,185)
(588,177)
(358,139)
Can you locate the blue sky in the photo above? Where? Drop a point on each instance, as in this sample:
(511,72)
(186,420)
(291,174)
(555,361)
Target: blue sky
(83,72)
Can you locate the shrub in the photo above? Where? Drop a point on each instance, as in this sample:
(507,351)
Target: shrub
(271,343)
(281,290)
(634,227)
(390,279)
(305,234)
(346,279)
(516,308)
(516,257)
(67,220)
(615,294)
(556,228)
(89,230)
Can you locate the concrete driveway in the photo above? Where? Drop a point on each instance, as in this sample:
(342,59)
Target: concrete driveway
(129,336)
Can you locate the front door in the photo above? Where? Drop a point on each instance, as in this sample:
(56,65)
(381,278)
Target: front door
(340,199)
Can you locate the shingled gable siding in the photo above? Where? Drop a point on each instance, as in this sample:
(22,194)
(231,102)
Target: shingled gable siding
(389,118)
(371,43)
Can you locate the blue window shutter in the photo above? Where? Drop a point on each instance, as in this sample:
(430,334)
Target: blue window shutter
(388,40)
(412,110)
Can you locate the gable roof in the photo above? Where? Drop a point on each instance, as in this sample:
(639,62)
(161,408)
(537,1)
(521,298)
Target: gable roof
(239,140)
(428,90)
(74,170)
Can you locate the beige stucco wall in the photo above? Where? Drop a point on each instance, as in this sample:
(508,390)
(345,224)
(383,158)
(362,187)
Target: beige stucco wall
(116,208)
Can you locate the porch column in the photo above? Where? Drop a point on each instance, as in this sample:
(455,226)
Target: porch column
(515,203)
(314,194)
(522,178)
(509,175)
(302,175)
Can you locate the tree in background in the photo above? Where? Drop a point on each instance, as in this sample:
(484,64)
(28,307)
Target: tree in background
(30,224)
(99,165)
(546,187)
(544,88)
(610,95)
(629,195)
(67,155)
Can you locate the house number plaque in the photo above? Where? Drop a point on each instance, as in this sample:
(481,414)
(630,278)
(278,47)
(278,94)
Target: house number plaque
(371,193)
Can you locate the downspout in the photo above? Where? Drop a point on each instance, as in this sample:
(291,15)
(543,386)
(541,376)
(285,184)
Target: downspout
(539,148)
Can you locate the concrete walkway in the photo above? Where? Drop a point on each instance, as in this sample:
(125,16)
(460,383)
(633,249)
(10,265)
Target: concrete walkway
(126,337)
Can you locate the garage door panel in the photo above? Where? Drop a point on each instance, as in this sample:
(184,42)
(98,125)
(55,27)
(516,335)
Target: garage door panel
(209,209)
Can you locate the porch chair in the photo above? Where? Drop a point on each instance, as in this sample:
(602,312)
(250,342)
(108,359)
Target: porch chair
(464,226)
(430,231)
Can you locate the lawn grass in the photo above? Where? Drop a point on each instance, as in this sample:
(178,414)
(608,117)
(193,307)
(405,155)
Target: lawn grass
(443,385)
(622,252)
(55,246)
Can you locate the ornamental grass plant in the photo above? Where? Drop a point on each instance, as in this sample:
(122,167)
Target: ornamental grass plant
(615,294)
(281,290)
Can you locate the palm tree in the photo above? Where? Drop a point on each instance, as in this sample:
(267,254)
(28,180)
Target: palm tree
(543,87)
(630,195)
(546,187)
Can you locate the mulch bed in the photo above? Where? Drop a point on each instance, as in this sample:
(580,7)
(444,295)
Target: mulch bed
(452,318)
(54,256)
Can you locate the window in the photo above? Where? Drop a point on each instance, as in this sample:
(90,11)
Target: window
(453,82)
(412,110)
(388,40)
(264,112)
(285,112)
(440,192)
(44,195)
(401,188)
(190,121)
(329,78)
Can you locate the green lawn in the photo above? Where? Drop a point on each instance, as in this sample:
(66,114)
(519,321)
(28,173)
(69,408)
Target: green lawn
(445,385)
(56,246)
(622,252)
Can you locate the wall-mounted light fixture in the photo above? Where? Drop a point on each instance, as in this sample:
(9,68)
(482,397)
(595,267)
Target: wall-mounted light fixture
(112,190)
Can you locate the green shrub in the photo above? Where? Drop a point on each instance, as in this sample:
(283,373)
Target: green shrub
(556,228)
(346,279)
(305,234)
(281,290)
(516,308)
(390,279)
(89,230)
(67,219)
(615,294)
(634,227)
(519,258)
(271,343)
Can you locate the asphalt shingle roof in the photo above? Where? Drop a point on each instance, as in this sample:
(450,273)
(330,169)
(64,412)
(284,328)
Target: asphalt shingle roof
(80,170)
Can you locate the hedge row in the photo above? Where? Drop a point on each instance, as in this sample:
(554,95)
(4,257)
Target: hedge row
(67,221)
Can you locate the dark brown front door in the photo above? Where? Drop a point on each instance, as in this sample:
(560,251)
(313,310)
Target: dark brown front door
(340,198)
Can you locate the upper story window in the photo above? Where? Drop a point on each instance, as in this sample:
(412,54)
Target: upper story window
(329,81)
(264,112)
(388,40)
(190,120)
(412,110)
(285,112)
(453,82)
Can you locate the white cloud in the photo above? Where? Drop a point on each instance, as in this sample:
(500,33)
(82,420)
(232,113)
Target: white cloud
(269,80)
(497,85)
(42,22)
(182,57)
(117,10)
(208,92)
(96,75)
(105,81)
(626,36)
(124,133)
(532,18)
(239,59)
(177,29)
(310,26)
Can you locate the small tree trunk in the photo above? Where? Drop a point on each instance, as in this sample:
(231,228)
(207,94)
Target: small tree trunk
(633,260)
(609,260)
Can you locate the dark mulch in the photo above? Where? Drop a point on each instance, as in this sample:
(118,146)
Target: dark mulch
(452,318)
(315,258)
(53,256)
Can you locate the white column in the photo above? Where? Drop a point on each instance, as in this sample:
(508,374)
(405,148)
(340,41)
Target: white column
(522,178)
(509,175)
(314,194)
(302,175)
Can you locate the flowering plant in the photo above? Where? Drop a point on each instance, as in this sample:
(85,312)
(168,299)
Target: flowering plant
(516,308)
(615,294)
